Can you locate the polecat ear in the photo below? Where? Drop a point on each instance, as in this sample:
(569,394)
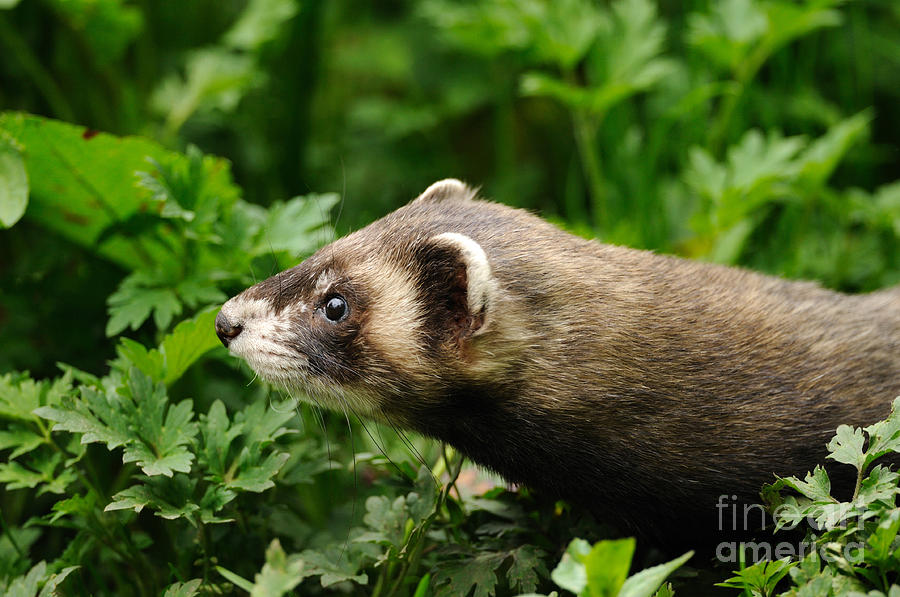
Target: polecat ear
(447,189)
(457,277)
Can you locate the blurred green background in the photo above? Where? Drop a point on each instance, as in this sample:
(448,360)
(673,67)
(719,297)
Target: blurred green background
(761,133)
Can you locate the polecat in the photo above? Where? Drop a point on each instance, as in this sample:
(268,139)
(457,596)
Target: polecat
(642,386)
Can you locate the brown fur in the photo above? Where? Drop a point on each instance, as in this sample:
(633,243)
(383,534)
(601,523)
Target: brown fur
(640,385)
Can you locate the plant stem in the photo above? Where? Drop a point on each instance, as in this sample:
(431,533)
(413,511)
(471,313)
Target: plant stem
(586,124)
(743,74)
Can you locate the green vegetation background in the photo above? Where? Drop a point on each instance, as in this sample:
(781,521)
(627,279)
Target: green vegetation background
(760,133)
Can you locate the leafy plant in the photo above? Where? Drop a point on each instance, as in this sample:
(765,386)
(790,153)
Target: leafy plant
(851,543)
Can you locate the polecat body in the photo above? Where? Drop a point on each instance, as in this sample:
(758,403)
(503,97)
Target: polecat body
(639,385)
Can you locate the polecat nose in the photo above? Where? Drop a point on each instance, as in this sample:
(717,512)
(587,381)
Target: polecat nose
(225,331)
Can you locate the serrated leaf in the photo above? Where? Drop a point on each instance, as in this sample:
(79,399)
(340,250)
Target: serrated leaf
(298,226)
(183,589)
(526,568)
(218,434)
(23,440)
(884,436)
(333,566)
(154,432)
(13,182)
(168,497)
(133,303)
(816,486)
(20,395)
(478,574)
(254,475)
(847,446)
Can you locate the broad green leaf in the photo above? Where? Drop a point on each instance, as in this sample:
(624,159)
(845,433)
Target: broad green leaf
(881,542)
(607,565)
(191,339)
(280,574)
(570,573)
(82,181)
(13,182)
(728,32)
(646,582)
(28,584)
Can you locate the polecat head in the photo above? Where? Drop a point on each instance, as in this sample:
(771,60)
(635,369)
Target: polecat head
(385,315)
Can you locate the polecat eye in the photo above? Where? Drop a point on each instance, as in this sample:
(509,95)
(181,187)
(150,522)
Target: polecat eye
(336,308)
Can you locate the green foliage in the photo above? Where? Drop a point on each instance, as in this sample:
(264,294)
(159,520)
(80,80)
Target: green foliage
(761,133)
(601,570)
(852,544)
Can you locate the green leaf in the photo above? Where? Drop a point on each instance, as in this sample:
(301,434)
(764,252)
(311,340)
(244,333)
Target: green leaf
(255,474)
(134,302)
(607,565)
(526,568)
(847,446)
(259,23)
(478,573)
(334,565)
(81,181)
(20,395)
(816,486)
(218,434)
(22,439)
(884,436)
(139,417)
(191,339)
(880,544)
(570,573)
(279,574)
(299,226)
(183,589)
(13,182)
(214,78)
(646,582)
(169,498)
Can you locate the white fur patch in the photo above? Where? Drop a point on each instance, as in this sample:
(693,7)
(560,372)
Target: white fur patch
(480,280)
